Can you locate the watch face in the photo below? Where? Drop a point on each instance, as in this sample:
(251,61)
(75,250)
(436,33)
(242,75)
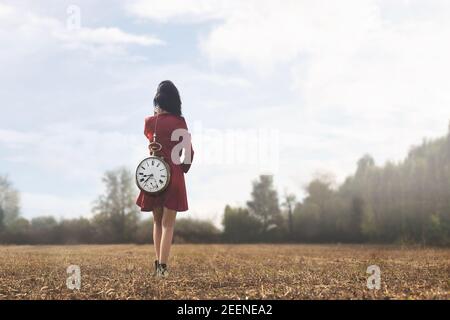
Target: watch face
(152,175)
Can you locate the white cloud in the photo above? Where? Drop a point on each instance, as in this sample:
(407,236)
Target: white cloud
(261,34)
(182,11)
(106,36)
(266,35)
(26,32)
(5,11)
(222,80)
(353,54)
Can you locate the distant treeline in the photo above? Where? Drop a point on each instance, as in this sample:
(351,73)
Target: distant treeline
(47,230)
(116,219)
(404,202)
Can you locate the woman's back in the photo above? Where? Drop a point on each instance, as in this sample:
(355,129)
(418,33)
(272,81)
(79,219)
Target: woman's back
(166,124)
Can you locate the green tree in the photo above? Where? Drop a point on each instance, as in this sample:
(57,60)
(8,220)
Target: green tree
(196,231)
(116,215)
(2,218)
(9,203)
(264,203)
(318,214)
(144,232)
(74,231)
(44,230)
(240,226)
(289,204)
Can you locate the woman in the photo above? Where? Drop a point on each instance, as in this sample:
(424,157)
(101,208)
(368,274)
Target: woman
(167,118)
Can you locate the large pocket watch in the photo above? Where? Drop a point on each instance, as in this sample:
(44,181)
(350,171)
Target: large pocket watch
(153,173)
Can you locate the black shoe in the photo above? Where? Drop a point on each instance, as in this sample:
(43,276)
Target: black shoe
(155,273)
(163,272)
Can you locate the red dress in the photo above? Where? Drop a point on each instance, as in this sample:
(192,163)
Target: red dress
(174,196)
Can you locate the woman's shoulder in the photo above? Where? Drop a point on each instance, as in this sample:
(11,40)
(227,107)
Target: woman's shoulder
(149,118)
(181,122)
(173,117)
(168,118)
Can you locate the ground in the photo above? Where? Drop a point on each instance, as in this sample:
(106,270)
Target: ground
(226,272)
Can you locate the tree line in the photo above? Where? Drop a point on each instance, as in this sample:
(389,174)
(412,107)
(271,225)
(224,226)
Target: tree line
(403,202)
(115,219)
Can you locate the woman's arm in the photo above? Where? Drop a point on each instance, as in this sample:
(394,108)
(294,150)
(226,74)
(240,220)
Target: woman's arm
(188,157)
(186,165)
(147,128)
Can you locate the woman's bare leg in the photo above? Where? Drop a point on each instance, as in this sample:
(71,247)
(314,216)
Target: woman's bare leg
(168,225)
(157,230)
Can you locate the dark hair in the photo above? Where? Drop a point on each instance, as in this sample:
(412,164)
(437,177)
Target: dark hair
(168,98)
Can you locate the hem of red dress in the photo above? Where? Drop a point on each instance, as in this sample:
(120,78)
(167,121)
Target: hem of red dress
(175,209)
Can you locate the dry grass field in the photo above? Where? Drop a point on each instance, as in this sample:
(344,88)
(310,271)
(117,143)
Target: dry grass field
(225,271)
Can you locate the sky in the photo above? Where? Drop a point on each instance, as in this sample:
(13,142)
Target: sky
(289,88)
